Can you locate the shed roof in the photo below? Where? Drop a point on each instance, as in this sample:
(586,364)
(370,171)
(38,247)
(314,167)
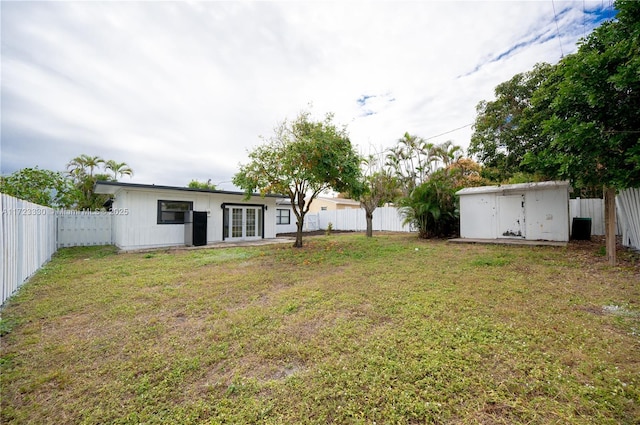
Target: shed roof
(519,187)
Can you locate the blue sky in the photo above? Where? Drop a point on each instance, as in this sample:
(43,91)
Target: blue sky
(181,90)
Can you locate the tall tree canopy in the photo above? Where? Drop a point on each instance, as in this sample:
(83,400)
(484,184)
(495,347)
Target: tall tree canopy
(593,99)
(302,159)
(577,120)
(507,128)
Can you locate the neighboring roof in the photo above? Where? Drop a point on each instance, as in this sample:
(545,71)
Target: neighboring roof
(341,201)
(520,187)
(283,201)
(110,188)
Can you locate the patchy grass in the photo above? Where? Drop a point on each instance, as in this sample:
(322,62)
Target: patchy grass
(345,330)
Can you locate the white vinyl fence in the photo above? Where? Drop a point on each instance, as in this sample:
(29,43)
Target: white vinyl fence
(628,207)
(83,228)
(30,234)
(27,241)
(589,208)
(384,219)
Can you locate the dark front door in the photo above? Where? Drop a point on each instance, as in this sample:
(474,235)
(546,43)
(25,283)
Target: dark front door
(199,228)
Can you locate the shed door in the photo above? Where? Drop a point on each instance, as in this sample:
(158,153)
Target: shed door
(511,216)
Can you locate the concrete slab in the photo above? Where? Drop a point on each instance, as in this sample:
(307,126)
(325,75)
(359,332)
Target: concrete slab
(508,241)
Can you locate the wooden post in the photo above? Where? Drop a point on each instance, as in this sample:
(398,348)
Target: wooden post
(610,223)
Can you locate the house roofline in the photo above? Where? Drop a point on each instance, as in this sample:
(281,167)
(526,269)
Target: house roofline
(110,187)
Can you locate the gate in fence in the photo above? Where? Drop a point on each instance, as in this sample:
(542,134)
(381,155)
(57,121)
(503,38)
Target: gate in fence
(83,228)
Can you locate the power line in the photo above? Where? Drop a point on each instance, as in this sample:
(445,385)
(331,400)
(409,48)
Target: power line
(555,16)
(450,131)
(584,20)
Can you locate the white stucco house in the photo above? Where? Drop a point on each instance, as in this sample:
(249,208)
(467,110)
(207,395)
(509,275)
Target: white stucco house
(530,211)
(151,216)
(286,221)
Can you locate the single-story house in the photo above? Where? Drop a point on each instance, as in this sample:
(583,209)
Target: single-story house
(151,216)
(322,203)
(285,217)
(532,211)
(286,221)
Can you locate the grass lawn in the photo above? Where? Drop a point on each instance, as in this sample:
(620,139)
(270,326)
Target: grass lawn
(392,330)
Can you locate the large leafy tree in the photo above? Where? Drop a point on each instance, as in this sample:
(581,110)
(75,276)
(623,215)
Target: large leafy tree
(301,160)
(43,187)
(507,128)
(594,102)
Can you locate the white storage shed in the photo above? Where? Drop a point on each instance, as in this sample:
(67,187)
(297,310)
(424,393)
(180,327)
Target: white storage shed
(531,211)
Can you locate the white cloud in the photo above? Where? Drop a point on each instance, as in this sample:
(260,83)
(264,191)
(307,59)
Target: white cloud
(181,90)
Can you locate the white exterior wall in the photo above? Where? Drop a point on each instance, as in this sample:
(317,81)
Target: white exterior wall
(292,226)
(547,214)
(478,216)
(546,211)
(138,228)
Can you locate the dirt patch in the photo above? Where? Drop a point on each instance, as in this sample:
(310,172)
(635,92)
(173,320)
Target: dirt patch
(595,250)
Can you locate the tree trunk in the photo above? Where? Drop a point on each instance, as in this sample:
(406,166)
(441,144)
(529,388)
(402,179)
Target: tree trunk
(369,215)
(610,223)
(300,225)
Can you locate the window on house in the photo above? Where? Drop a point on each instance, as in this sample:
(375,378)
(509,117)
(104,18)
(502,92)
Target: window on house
(283,217)
(172,212)
(323,208)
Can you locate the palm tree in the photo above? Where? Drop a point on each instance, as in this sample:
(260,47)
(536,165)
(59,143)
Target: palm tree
(448,153)
(79,165)
(118,169)
(410,160)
